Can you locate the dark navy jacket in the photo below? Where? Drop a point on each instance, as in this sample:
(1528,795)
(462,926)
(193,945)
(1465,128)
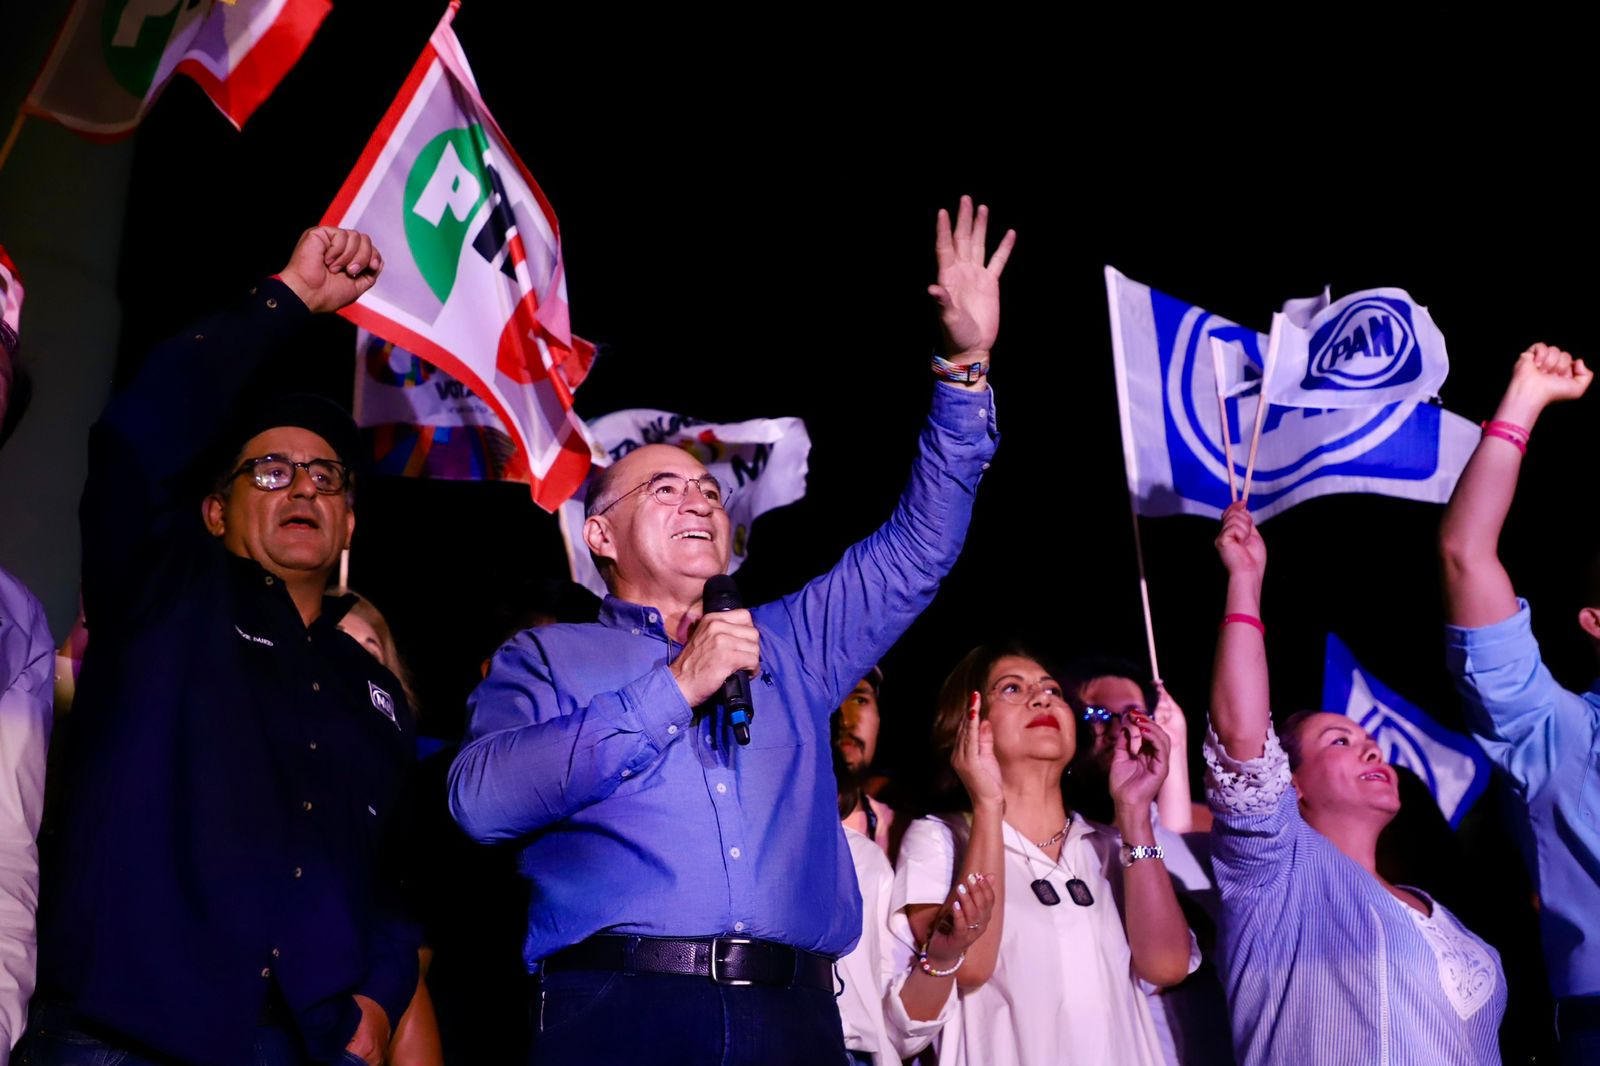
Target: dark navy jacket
(230,771)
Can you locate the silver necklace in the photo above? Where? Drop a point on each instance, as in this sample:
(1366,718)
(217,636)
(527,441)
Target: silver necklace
(1043,890)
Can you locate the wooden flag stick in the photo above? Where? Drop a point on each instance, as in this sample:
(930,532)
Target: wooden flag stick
(1222,414)
(1269,365)
(11,138)
(1144,596)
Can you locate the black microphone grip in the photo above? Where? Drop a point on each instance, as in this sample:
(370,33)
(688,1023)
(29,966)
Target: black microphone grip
(722,594)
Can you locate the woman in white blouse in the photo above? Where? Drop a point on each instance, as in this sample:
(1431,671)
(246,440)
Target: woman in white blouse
(1084,913)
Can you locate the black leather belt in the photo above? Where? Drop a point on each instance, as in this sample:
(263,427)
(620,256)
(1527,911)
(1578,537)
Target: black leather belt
(727,960)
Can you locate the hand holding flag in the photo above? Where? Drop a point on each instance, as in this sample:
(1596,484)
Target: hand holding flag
(968,291)
(330,268)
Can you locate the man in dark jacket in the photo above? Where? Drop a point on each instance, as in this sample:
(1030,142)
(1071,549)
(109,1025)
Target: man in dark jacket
(211,897)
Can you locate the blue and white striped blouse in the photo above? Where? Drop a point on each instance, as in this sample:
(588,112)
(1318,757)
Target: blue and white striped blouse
(1320,962)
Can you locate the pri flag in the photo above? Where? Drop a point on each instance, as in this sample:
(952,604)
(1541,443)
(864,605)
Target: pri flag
(419,421)
(762,462)
(473,281)
(113,57)
(1449,763)
(1367,349)
(1167,387)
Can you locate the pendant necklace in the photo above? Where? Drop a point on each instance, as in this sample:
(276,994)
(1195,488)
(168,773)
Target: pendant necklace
(1043,890)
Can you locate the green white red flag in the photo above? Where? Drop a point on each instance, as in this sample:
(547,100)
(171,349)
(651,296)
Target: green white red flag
(473,280)
(113,57)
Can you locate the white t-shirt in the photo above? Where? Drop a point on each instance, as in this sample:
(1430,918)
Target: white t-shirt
(875,1021)
(1063,989)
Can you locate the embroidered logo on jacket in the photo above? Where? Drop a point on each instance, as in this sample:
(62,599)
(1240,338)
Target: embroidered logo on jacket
(253,640)
(384,702)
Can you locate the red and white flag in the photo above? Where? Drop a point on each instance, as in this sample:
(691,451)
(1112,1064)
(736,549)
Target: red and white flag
(472,279)
(113,57)
(10,322)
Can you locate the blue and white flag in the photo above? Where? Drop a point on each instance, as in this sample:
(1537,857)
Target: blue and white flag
(1370,348)
(762,462)
(1455,770)
(1172,428)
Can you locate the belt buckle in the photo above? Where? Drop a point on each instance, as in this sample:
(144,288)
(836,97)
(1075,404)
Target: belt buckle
(716,976)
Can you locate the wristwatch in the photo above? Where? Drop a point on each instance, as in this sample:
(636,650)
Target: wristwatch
(1133,853)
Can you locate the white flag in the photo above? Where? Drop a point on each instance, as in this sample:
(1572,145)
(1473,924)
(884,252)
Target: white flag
(1172,428)
(1370,348)
(762,462)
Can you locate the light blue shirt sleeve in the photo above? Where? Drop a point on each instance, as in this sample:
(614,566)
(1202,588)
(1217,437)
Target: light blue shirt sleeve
(533,754)
(1521,717)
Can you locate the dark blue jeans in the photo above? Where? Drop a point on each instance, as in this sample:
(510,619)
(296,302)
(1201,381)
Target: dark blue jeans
(53,1039)
(607,1018)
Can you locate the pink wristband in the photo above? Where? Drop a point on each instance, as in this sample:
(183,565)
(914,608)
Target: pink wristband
(1246,619)
(1509,432)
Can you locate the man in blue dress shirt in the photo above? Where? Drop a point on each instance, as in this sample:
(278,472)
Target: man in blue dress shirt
(690,894)
(1543,737)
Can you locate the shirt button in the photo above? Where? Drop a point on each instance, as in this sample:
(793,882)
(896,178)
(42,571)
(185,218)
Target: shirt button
(306,806)
(983,412)
(316,686)
(199,336)
(298,872)
(269,579)
(721,787)
(272,302)
(276,953)
(985,466)
(735,852)
(671,729)
(651,617)
(627,773)
(266,971)
(738,927)
(254,289)
(312,745)
(635,632)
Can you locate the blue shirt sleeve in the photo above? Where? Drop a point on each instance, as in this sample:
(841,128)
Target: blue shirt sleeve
(1521,717)
(859,608)
(534,755)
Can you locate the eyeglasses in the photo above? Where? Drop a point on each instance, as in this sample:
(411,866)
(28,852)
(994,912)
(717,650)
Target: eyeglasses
(671,489)
(1014,691)
(1106,714)
(270,473)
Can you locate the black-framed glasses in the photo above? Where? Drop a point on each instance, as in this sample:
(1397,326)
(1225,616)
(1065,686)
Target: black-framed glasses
(269,473)
(671,489)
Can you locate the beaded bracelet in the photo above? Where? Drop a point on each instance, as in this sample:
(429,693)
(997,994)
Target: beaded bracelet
(932,971)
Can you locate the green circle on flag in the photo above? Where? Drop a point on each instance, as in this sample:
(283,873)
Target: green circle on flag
(134,35)
(447,185)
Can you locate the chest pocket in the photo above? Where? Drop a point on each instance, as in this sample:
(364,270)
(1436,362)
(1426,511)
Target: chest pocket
(777,723)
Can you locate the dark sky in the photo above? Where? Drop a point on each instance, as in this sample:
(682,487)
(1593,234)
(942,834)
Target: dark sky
(747,220)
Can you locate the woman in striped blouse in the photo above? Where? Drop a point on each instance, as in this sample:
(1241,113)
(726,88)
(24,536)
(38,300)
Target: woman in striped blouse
(1323,960)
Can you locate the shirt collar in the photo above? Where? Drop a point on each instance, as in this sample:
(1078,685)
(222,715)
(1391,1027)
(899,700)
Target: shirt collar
(634,617)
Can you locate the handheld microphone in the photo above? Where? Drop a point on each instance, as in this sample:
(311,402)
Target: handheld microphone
(723,595)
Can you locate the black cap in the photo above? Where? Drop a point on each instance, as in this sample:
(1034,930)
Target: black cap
(304,410)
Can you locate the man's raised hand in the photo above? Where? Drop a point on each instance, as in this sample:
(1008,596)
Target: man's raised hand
(968,290)
(330,268)
(1239,544)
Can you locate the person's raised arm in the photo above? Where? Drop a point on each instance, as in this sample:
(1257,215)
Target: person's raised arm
(143,448)
(968,289)
(1241,708)
(1158,935)
(1174,803)
(1477,589)
(984,858)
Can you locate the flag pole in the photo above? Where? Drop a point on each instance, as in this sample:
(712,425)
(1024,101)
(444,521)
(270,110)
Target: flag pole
(1222,414)
(1144,593)
(1130,459)
(11,138)
(1267,368)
